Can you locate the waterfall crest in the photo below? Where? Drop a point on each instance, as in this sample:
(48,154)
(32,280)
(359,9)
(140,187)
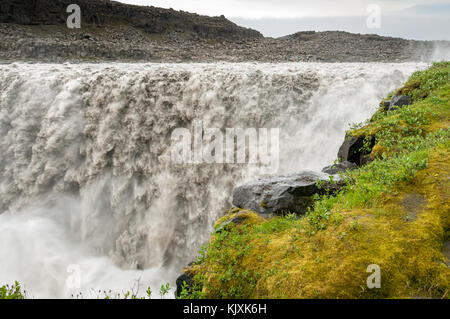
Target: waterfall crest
(86,176)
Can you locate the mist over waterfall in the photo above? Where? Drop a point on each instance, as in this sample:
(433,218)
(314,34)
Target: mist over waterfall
(86,176)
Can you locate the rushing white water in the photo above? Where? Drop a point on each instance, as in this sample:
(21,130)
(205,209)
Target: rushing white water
(85,172)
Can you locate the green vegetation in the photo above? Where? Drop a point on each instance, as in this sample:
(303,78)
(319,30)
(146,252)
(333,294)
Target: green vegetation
(164,290)
(12,292)
(394,212)
(15,292)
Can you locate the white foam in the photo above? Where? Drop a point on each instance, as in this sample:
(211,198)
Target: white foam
(85,171)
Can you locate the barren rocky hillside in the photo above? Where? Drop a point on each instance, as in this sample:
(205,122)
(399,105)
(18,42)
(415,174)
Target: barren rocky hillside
(36,30)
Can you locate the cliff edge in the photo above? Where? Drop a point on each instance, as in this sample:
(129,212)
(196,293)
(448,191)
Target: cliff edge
(35,30)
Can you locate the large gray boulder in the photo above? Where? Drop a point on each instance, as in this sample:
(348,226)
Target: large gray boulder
(283,194)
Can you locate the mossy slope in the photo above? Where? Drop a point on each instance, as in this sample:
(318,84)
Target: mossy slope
(395,213)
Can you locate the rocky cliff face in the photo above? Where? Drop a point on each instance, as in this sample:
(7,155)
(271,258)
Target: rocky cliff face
(104,12)
(35,30)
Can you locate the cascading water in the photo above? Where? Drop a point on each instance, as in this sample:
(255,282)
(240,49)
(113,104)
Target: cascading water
(86,176)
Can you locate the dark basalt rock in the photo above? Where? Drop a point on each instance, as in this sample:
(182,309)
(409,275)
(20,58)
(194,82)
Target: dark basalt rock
(339,168)
(185,279)
(396,102)
(353,149)
(385,105)
(103,12)
(32,30)
(399,101)
(283,194)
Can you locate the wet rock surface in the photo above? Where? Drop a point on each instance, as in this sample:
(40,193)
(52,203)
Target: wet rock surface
(282,194)
(356,149)
(36,31)
(397,102)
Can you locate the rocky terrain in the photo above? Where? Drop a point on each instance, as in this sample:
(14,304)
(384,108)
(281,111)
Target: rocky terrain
(35,30)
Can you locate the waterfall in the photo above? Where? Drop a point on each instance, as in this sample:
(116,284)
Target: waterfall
(86,176)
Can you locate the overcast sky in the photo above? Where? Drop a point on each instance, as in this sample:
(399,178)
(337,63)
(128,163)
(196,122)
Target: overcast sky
(414,19)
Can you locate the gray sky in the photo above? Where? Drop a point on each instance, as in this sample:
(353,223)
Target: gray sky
(413,19)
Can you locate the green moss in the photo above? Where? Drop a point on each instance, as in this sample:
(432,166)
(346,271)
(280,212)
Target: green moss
(394,212)
(423,83)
